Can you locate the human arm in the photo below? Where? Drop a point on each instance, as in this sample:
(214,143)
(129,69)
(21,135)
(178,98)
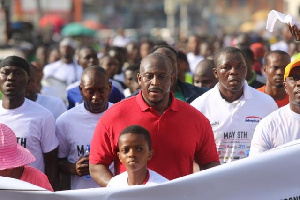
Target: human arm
(101,174)
(51,168)
(209,165)
(295,31)
(80,168)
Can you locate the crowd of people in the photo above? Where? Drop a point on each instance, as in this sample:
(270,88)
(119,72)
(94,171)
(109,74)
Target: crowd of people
(145,113)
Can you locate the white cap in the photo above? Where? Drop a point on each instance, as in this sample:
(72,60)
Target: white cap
(68,42)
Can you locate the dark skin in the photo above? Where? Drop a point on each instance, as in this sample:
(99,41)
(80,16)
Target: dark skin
(292,88)
(13,83)
(67,54)
(134,154)
(231,72)
(155,78)
(274,70)
(95,89)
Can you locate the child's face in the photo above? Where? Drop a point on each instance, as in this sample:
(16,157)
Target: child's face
(134,151)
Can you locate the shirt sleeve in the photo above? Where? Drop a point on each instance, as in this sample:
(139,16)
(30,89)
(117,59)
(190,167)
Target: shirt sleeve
(206,151)
(261,138)
(102,147)
(63,150)
(48,137)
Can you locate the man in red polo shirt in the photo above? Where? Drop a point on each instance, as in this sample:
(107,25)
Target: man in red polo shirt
(274,65)
(179,132)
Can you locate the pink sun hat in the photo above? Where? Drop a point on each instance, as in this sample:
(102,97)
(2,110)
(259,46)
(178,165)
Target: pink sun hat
(12,154)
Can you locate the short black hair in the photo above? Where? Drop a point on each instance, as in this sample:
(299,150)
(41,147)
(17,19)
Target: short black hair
(138,130)
(132,68)
(226,50)
(271,52)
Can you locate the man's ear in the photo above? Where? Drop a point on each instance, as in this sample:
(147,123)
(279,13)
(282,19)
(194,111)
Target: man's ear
(264,69)
(215,71)
(80,89)
(139,78)
(118,153)
(173,78)
(151,153)
(285,88)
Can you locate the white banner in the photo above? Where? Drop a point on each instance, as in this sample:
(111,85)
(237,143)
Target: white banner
(273,175)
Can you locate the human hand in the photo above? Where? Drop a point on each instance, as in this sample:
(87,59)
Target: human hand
(295,31)
(82,166)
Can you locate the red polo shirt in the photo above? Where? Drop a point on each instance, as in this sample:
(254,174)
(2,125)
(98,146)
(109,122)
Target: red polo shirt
(178,136)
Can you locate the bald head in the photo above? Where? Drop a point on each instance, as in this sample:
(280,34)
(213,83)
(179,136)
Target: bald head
(204,76)
(154,58)
(93,71)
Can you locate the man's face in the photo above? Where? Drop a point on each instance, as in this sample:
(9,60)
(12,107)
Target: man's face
(274,69)
(95,91)
(87,58)
(155,79)
(144,49)
(13,81)
(110,65)
(66,52)
(134,151)
(131,80)
(205,81)
(231,72)
(292,86)
(32,88)
(193,44)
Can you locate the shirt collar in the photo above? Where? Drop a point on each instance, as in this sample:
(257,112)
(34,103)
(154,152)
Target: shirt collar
(246,91)
(144,106)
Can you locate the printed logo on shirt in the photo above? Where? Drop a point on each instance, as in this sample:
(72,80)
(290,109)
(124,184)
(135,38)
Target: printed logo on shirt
(292,198)
(80,150)
(216,123)
(21,141)
(241,153)
(252,119)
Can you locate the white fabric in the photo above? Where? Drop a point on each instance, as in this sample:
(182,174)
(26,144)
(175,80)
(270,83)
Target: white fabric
(271,175)
(34,127)
(121,180)
(280,127)
(281,45)
(74,130)
(68,73)
(55,105)
(193,61)
(233,123)
(120,41)
(127,92)
(274,15)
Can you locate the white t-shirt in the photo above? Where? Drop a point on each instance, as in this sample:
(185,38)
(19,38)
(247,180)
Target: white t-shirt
(280,127)
(34,127)
(121,179)
(54,104)
(193,61)
(233,123)
(75,129)
(68,73)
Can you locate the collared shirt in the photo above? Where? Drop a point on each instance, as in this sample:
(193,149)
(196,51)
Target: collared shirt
(233,123)
(179,135)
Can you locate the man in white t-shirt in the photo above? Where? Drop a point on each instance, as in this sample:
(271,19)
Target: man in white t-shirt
(193,56)
(64,71)
(283,125)
(75,127)
(54,104)
(233,108)
(33,124)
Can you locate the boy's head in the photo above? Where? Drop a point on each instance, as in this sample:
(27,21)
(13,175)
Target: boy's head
(135,147)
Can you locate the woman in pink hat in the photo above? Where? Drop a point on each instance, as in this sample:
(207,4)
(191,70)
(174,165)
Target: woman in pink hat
(14,160)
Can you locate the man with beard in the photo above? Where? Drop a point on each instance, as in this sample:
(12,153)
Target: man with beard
(156,109)
(232,106)
(281,126)
(275,62)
